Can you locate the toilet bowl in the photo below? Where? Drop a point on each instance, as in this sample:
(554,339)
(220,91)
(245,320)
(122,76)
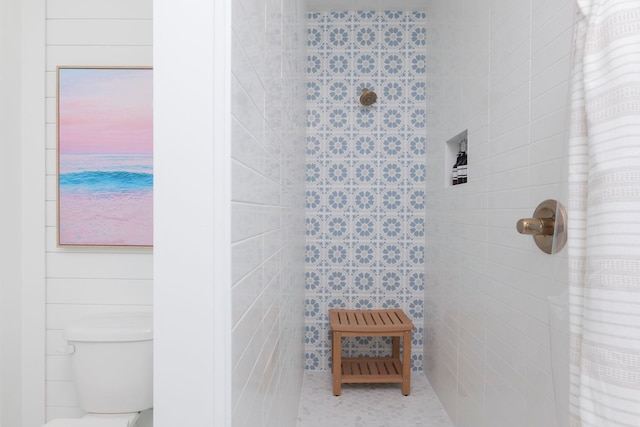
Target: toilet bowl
(112,367)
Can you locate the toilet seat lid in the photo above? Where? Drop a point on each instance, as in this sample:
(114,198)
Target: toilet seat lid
(88,422)
(112,327)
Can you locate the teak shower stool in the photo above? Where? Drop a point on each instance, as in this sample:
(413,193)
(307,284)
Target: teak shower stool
(373,323)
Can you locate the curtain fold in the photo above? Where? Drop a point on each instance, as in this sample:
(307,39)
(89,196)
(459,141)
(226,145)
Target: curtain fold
(604,216)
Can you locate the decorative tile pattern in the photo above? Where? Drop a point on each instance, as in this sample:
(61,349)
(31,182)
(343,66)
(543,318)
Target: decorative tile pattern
(365,173)
(363,405)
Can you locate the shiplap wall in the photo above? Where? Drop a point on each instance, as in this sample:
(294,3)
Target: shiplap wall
(85,280)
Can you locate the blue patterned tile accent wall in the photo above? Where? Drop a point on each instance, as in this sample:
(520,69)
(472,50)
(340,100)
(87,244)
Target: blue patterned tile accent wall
(365,174)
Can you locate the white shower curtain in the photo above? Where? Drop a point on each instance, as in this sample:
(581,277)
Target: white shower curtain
(604,216)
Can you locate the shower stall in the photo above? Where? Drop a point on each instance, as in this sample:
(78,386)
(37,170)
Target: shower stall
(494,306)
(496,68)
(494,326)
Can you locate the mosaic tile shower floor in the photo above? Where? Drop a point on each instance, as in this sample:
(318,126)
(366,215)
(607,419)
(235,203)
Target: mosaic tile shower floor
(370,405)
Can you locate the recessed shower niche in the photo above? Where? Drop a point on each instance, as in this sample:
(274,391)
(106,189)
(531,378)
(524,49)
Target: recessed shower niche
(455,161)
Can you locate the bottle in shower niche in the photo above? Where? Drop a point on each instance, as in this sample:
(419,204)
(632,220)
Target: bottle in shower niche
(462,166)
(454,171)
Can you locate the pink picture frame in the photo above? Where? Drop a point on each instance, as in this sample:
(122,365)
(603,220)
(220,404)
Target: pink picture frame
(105,156)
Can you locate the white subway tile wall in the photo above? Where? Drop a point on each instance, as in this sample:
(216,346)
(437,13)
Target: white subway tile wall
(499,68)
(365,173)
(81,281)
(268,157)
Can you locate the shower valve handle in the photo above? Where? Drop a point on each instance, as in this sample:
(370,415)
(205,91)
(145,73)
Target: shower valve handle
(547,227)
(536,226)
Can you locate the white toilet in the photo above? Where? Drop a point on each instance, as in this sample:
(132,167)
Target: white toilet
(112,365)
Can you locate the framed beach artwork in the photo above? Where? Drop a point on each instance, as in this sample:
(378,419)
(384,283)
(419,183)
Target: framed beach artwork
(105,156)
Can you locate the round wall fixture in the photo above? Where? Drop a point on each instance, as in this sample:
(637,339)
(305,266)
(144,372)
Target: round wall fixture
(368,97)
(548,226)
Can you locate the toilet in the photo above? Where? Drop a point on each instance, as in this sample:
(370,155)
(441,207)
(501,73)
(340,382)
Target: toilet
(112,366)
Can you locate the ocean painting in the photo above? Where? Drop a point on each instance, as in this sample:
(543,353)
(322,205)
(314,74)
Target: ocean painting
(105,157)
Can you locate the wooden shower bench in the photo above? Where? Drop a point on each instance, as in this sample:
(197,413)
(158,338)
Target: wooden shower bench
(373,323)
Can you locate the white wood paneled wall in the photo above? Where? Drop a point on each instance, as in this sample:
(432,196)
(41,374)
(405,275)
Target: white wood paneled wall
(85,280)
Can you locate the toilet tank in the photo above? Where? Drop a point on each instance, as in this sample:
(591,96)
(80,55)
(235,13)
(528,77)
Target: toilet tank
(112,361)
